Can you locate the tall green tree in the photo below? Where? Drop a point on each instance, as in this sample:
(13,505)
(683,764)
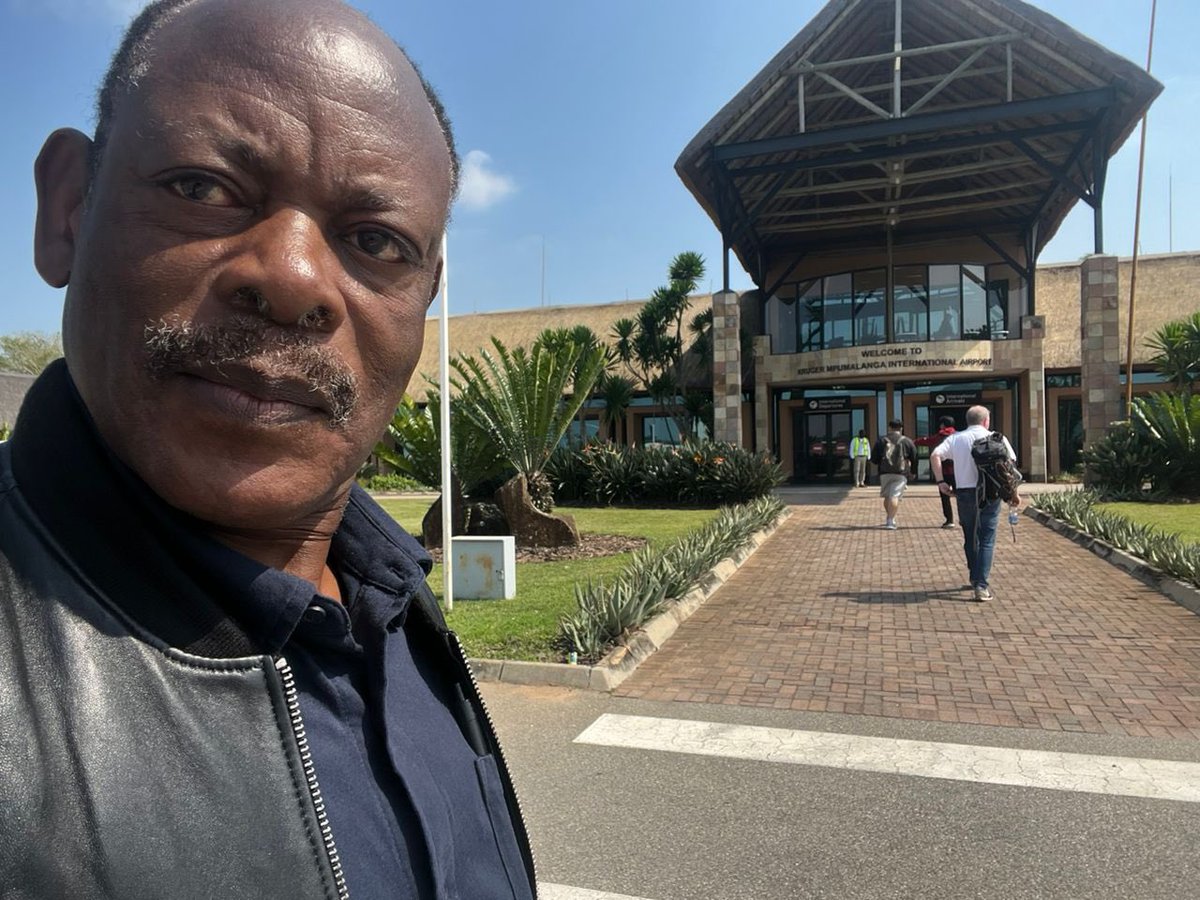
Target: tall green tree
(652,348)
(524,401)
(28,352)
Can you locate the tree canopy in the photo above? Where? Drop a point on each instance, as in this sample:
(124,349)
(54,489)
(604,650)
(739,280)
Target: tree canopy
(28,352)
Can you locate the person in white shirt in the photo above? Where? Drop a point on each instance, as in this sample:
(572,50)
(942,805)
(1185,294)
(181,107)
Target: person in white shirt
(978,523)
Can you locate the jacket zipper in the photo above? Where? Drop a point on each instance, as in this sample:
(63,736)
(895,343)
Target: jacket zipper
(499,754)
(310,774)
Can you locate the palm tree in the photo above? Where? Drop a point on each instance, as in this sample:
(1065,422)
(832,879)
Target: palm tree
(651,345)
(520,400)
(617,393)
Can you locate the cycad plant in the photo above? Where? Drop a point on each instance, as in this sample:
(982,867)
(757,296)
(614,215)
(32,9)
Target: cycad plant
(415,447)
(1172,421)
(1176,347)
(557,339)
(520,400)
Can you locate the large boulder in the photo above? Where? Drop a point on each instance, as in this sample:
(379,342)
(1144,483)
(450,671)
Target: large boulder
(531,526)
(486,519)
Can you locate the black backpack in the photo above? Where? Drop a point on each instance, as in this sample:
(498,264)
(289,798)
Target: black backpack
(893,460)
(998,477)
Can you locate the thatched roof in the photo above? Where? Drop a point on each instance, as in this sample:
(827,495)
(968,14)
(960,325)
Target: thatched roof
(997,99)
(12,392)
(471,333)
(1168,288)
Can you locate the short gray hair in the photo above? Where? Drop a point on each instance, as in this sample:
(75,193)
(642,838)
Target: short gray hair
(977,415)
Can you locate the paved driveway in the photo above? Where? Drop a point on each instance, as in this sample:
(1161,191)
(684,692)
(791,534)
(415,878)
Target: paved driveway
(835,614)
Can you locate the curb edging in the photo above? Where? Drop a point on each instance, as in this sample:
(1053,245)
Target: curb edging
(623,660)
(1182,593)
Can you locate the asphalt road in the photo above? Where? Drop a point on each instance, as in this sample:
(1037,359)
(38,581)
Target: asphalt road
(661,825)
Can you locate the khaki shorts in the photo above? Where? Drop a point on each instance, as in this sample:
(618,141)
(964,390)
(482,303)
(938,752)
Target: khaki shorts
(892,485)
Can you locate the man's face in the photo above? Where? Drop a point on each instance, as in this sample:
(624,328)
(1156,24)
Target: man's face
(254,263)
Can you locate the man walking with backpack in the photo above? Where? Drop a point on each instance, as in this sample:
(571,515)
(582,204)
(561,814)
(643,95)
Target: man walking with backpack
(985,478)
(896,457)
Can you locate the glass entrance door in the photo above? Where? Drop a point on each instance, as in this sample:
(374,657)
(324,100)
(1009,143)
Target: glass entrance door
(822,445)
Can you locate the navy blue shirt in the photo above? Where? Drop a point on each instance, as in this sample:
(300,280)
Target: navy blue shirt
(410,803)
(416,811)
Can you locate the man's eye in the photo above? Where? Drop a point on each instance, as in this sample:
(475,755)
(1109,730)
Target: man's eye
(201,189)
(379,244)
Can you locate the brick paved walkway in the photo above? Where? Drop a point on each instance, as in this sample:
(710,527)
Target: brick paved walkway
(834,614)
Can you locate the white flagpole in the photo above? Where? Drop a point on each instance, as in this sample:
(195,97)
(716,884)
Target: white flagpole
(444,429)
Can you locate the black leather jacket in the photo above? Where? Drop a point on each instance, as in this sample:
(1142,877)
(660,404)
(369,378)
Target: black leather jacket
(120,713)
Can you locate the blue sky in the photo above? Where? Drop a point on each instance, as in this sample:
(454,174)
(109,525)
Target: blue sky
(570,116)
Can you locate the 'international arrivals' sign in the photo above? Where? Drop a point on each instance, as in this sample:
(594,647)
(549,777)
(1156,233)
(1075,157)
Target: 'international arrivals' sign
(956,398)
(895,359)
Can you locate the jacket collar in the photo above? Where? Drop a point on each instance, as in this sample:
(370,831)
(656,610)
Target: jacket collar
(156,563)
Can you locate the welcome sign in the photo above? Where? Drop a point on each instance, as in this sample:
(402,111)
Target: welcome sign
(898,359)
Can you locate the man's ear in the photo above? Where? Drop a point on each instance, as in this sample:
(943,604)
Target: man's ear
(61,175)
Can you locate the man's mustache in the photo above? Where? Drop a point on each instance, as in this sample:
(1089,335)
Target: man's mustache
(273,352)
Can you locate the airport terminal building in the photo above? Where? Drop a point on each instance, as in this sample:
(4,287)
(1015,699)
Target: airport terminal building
(888,180)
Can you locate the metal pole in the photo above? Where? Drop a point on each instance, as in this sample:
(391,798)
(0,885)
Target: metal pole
(1137,224)
(897,46)
(444,428)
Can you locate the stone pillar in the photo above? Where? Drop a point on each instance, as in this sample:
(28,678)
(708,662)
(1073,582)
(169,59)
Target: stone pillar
(727,369)
(1033,331)
(762,397)
(1099,345)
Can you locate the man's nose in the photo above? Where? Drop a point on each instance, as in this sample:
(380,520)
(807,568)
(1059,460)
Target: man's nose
(288,272)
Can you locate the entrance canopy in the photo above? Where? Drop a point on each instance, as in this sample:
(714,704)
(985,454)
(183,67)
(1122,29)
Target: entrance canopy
(916,119)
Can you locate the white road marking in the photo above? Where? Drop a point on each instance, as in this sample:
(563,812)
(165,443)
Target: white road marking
(563,892)
(1124,776)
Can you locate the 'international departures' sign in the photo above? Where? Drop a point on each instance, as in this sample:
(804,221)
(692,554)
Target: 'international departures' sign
(895,359)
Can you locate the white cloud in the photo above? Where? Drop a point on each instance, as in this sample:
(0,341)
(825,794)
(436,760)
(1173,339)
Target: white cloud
(480,187)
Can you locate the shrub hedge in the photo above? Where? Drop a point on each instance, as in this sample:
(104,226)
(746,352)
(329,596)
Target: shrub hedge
(704,475)
(1166,552)
(1157,449)
(390,481)
(654,578)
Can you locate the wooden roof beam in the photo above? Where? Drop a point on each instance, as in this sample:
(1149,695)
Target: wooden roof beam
(810,68)
(854,221)
(1081,101)
(909,151)
(901,202)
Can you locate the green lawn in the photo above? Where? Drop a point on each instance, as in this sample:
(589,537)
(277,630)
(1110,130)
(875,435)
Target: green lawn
(1182,519)
(524,627)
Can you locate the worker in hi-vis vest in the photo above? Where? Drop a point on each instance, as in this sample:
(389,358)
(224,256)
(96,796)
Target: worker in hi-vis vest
(860,452)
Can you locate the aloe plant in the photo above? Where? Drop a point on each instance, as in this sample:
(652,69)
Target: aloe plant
(655,577)
(1166,552)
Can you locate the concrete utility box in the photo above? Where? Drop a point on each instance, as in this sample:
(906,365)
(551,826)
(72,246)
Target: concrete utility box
(485,568)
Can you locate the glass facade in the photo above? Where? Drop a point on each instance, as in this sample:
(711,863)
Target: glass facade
(941,302)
